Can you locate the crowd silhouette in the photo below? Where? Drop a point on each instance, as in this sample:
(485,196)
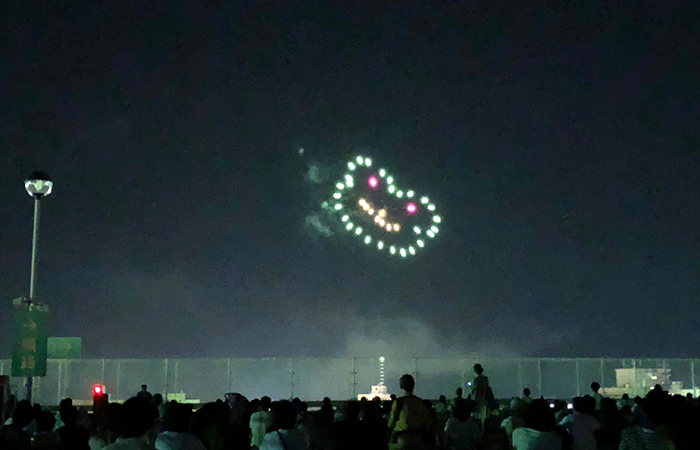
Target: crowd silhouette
(475,422)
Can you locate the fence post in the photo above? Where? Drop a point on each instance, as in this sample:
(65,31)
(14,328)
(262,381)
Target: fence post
(177,376)
(539,376)
(165,388)
(520,378)
(118,387)
(692,375)
(415,369)
(602,373)
(291,378)
(578,381)
(103,371)
(354,379)
(228,375)
(60,375)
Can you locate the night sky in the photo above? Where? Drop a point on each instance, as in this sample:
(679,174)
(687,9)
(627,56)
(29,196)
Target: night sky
(559,140)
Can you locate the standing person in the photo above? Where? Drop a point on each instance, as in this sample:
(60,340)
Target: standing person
(526,395)
(12,435)
(283,434)
(409,419)
(581,425)
(595,387)
(178,437)
(144,394)
(260,421)
(459,399)
(482,393)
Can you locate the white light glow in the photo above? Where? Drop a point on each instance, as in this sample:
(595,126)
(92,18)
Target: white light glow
(437,219)
(430,234)
(365,207)
(391,189)
(382,172)
(412,250)
(362,202)
(349,183)
(431,207)
(410,194)
(389,179)
(368,162)
(377,219)
(382,222)
(368,239)
(416,230)
(337,195)
(338,206)
(345,218)
(351,166)
(403,252)
(399,194)
(359,159)
(434,229)
(370,212)
(349,226)
(424,200)
(388,227)
(420,243)
(358,231)
(396,227)
(392,249)
(340,186)
(380,245)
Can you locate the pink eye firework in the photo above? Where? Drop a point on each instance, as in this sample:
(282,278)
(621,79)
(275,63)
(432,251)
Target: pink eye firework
(372,206)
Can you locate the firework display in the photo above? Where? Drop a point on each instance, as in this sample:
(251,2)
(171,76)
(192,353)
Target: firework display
(380,212)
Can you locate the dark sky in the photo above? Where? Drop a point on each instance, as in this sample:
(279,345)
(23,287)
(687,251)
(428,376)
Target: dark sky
(559,139)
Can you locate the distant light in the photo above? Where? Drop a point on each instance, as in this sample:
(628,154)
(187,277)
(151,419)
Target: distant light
(654,377)
(382,172)
(389,179)
(570,406)
(359,159)
(349,183)
(368,239)
(424,200)
(365,207)
(345,218)
(368,162)
(373,182)
(362,202)
(337,195)
(97,389)
(430,233)
(381,359)
(380,245)
(377,219)
(416,230)
(420,243)
(396,227)
(370,212)
(410,194)
(338,206)
(411,208)
(381,222)
(412,250)
(340,186)
(349,226)
(469,383)
(351,166)
(358,231)
(392,249)
(399,194)
(403,252)
(388,227)
(434,229)
(551,405)
(391,188)
(431,207)
(437,219)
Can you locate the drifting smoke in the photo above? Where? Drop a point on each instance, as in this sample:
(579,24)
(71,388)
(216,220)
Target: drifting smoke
(313,222)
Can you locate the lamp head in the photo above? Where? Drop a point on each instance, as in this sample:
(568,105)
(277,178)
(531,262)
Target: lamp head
(38,184)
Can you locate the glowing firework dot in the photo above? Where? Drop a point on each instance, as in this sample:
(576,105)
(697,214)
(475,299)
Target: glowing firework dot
(372,207)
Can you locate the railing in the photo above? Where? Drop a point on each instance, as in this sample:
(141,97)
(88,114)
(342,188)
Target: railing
(207,379)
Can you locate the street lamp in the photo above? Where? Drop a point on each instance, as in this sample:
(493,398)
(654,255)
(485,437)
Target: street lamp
(38,185)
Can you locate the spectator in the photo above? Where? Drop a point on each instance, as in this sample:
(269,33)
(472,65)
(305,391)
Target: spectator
(654,431)
(260,421)
(283,435)
(177,437)
(12,435)
(581,425)
(135,420)
(482,394)
(538,433)
(526,395)
(408,420)
(144,394)
(459,399)
(72,436)
(44,438)
(595,387)
(461,430)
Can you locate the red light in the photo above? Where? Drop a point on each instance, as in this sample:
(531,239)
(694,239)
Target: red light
(373,182)
(411,208)
(97,389)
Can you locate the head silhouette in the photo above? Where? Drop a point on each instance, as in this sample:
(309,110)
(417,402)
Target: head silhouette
(407,383)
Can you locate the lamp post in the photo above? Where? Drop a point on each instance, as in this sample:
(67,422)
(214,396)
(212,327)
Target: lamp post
(38,185)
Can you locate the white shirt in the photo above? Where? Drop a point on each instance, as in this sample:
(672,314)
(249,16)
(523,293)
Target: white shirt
(529,439)
(293,440)
(138,443)
(170,440)
(581,428)
(259,422)
(462,435)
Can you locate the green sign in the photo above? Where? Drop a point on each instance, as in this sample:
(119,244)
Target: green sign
(64,347)
(29,350)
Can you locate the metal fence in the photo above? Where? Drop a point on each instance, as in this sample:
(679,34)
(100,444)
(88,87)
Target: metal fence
(311,379)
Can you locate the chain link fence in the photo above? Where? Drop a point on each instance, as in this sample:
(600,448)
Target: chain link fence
(206,379)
